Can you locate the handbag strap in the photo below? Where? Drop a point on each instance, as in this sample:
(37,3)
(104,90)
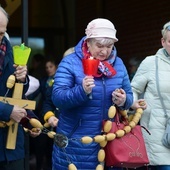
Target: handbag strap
(119,119)
(158,88)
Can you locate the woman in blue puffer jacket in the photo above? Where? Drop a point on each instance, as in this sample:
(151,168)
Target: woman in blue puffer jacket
(84,100)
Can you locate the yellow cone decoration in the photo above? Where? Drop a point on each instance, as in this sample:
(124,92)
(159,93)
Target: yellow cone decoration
(21,54)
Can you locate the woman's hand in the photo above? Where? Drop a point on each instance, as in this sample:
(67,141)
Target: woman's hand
(119,97)
(53,121)
(35,133)
(20,73)
(88,84)
(139,104)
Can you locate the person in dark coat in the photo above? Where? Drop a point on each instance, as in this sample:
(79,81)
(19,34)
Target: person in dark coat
(44,144)
(11,159)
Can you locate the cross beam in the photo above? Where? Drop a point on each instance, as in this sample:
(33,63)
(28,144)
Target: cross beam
(16,100)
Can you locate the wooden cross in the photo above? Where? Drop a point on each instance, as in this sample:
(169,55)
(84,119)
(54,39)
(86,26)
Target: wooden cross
(16,100)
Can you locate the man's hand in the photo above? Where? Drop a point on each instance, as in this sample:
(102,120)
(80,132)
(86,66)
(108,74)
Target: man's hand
(18,113)
(20,73)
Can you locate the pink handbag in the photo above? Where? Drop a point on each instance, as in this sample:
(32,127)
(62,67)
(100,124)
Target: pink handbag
(128,151)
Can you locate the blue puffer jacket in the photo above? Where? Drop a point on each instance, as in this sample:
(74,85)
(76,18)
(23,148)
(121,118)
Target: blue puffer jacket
(5,111)
(81,115)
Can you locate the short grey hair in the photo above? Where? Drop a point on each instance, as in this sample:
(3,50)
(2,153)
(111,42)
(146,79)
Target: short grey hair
(5,13)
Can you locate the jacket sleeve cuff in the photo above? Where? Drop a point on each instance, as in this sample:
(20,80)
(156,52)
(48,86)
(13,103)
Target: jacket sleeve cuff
(6,112)
(48,115)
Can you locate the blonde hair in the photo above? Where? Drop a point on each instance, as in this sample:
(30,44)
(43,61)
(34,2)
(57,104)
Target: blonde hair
(165,29)
(68,51)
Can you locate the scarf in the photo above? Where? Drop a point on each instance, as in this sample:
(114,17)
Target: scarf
(2,54)
(105,67)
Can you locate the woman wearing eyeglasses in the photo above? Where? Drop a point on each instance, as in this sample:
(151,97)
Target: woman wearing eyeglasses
(153,80)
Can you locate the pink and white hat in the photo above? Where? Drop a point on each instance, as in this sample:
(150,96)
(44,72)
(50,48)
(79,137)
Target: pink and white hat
(99,28)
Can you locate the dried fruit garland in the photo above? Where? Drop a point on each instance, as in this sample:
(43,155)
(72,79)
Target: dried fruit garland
(101,139)
(62,141)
